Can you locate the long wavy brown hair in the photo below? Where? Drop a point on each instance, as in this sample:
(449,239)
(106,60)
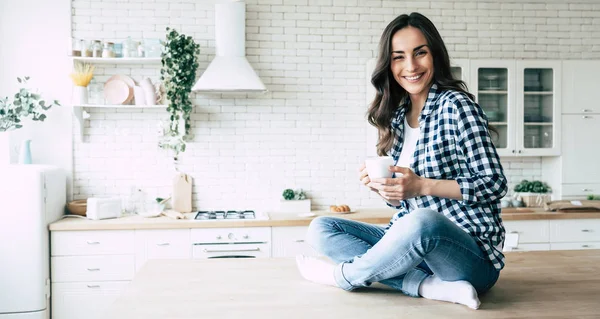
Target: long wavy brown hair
(389,93)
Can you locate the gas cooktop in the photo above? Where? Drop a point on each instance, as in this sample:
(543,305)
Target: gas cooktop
(221,214)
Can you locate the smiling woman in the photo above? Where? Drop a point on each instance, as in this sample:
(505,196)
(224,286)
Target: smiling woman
(445,242)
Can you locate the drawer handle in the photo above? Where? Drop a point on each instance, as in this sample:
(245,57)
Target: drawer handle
(514,232)
(93,286)
(586,190)
(93,242)
(585,246)
(299,240)
(585,117)
(229,251)
(514,248)
(93,269)
(163,244)
(586,111)
(586,230)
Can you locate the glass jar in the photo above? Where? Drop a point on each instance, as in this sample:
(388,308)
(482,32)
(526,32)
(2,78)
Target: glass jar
(95,93)
(97,49)
(109,50)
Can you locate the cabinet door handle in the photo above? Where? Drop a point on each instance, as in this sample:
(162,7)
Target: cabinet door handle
(93,269)
(163,244)
(586,230)
(587,117)
(586,111)
(299,240)
(229,251)
(93,286)
(93,242)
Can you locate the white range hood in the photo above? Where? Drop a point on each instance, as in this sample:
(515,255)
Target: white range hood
(230,71)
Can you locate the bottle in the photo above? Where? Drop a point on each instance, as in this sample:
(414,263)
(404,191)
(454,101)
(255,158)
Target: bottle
(109,50)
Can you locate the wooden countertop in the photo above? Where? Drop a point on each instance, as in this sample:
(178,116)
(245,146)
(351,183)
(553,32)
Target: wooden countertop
(373,216)
(556,284)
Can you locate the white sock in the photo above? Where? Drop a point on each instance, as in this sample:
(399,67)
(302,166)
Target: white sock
(316,270)
(461,292)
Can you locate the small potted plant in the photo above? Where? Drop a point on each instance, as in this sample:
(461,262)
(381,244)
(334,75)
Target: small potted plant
(294,201)
(534,193)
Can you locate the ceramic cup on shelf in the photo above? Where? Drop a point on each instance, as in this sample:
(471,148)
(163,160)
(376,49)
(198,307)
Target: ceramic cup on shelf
(378,167)
(149,91)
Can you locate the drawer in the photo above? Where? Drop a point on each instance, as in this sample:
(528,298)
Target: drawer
(104,242)
(575,246)
(87,300)
(579,191)
(574,230)
(225,235)
(161,244)
(291,241)
(529,231)
(528,247)
(92,268)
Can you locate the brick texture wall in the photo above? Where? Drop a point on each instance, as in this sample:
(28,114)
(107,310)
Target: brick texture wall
(309,130)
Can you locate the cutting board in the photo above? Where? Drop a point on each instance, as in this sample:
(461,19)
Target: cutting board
(182,193)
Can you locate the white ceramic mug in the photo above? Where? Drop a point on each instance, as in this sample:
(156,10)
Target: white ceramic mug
(379,167)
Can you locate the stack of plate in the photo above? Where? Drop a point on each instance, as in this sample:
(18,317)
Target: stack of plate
(118,90)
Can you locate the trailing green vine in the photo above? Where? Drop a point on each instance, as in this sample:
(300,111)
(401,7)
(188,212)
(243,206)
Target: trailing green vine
(179,64)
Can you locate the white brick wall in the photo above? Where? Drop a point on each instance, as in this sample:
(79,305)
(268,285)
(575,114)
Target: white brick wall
(309,130)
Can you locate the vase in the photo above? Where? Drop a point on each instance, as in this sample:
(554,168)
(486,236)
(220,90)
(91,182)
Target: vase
(8,149)
(80,95)
(25,152)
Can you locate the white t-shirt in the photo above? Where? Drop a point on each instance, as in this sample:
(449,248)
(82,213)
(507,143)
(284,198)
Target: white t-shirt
(411,136)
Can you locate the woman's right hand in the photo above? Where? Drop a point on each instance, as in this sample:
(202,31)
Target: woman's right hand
(364,177)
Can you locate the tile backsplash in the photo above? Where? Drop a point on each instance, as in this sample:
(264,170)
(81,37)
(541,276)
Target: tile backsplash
(309,130)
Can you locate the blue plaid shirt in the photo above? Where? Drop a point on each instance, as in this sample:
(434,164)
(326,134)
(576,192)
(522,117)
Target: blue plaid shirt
(455,145)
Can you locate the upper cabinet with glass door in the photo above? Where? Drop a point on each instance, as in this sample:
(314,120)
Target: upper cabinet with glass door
(520,101)
(494,88)
(538,112)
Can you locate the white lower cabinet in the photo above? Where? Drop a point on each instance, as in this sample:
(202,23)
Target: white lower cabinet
(558,234)
(89,269)
(77,300)
(161,244)
(290,241)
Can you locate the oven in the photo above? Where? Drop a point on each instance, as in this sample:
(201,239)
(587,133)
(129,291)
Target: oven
(243,242)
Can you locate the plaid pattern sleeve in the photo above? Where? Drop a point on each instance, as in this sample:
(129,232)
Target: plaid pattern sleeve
(485,181)
(454,144)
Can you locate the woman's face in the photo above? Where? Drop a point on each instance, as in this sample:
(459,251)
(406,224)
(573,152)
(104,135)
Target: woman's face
(412,63)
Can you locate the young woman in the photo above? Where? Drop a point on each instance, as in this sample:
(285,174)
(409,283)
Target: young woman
(445,242)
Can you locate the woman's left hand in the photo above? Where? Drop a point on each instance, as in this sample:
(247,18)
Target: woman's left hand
(405,185)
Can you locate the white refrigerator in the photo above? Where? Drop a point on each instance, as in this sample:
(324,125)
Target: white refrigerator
(31,197)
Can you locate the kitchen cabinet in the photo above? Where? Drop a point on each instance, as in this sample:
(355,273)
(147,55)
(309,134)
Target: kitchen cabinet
(522,101)
(161,244)
(558,234)
(79,300)
(89,269)
(290,242)
(580,87)
(580,160)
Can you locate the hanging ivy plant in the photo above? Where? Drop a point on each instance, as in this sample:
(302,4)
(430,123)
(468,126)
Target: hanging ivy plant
(179,64)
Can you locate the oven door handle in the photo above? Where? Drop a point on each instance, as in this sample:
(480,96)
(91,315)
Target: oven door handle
(228,251)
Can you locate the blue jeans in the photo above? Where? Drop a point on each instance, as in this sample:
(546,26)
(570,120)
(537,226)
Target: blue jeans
(417,245)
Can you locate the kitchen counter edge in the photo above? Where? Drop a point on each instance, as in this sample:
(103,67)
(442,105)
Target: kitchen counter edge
(372,216)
